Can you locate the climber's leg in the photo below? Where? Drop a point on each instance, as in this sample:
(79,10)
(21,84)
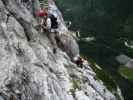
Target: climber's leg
(52,36)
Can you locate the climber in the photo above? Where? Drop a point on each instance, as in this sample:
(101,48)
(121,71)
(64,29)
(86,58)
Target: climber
(79,61)
(48,25)
(49,21)
(52,29)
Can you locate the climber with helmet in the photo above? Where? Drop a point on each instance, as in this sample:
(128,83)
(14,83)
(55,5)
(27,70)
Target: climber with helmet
(48,25)
(79,61)
(53,35)
(49,21)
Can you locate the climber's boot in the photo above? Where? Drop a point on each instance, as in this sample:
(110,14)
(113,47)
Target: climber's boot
(54,50)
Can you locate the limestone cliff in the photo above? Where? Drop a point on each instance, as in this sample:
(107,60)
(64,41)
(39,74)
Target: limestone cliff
(28,68)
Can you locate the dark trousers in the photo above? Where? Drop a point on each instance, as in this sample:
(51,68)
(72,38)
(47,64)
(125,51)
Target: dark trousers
(52,38)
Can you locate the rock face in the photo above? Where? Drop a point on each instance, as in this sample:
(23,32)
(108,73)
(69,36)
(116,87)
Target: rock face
(28,68)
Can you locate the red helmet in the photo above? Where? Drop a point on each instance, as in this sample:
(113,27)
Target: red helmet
(41,13)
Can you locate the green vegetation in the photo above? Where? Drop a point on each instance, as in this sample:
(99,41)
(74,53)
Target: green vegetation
(75,85)
(108,81)
(44,3)
(111,23)
(126,72)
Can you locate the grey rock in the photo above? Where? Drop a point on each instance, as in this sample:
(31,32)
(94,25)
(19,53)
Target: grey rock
(122,59)
(69,45)
(125,60)
(1,98)
(129,64)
